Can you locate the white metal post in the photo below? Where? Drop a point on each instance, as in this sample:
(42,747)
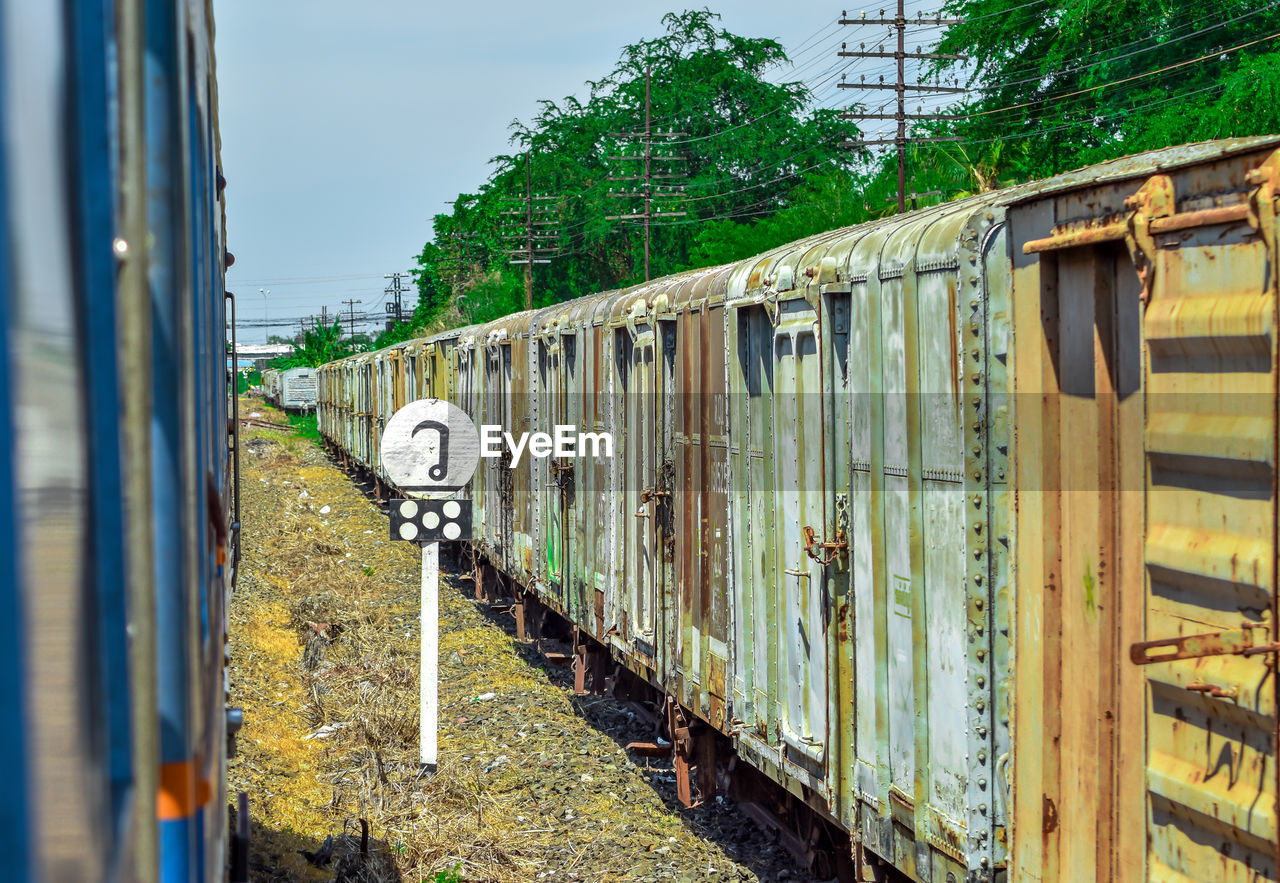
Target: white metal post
(429,668)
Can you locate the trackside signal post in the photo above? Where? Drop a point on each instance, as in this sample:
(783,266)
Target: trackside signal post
(430,450)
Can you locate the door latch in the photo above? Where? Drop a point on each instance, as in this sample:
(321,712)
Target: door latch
(828,550)
(1226,643)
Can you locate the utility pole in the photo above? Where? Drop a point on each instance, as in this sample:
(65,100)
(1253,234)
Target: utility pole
(530,245)
(351,306)
(397,290)
(458,263)
(324,316)
(648,192)
(898,24)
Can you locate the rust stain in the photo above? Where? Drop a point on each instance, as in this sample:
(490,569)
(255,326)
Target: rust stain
(1050,815)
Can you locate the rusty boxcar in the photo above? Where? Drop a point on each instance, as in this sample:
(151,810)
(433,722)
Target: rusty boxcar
(958,526)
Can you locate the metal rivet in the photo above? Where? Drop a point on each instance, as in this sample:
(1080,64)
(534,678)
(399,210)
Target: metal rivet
(982,682)
(977,580)
(982,654)
(982,757)
(979,602)
(121,247)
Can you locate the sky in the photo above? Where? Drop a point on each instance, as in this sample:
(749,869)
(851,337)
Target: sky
(345,127)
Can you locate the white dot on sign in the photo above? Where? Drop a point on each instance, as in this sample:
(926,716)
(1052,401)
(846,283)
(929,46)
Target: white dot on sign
(408,508)
(431,519)
(452,531)
(451,509)
(408,531)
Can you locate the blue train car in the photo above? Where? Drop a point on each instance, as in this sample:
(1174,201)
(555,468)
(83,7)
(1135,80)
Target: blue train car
(118,502)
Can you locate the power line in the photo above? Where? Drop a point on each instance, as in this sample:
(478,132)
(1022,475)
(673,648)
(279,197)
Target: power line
(396,290)
(647,177)
(351,306)
(899,25)
(528,245)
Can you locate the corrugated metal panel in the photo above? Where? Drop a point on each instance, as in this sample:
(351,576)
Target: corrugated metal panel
(1146,459)
(1210,332)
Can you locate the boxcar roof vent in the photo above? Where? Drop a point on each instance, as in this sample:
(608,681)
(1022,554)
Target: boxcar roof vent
(827,271)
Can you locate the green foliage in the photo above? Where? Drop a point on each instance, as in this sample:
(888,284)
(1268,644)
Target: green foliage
(1067,83)
(320,345)
(453,875)
(748,148)
(305,426)
(1056,84)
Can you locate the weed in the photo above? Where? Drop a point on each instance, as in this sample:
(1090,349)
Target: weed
(305,426)
(454,875)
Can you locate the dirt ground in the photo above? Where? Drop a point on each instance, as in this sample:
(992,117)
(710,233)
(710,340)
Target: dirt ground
(533,783)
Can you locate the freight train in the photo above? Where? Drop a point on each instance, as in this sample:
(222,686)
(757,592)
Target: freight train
(958,527)
(118,492)
(293,389)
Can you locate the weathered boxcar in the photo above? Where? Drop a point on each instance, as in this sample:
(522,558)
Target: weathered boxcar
(297,389)
(959,525)
(1144,321)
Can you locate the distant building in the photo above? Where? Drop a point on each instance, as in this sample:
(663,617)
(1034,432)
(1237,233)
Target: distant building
(258,355)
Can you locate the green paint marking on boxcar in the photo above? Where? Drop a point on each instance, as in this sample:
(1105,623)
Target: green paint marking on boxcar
(1090,602)
(902,596)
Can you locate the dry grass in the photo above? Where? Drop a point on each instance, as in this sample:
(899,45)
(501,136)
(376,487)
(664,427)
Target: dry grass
(325,640)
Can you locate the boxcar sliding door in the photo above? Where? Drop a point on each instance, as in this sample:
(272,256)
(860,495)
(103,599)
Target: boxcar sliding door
(802,612)
(550,408)
(564,473)
(642,371)
(751,386)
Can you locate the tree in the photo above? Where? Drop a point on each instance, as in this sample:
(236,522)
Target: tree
(317,346)
(1065,83)
(748,146)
